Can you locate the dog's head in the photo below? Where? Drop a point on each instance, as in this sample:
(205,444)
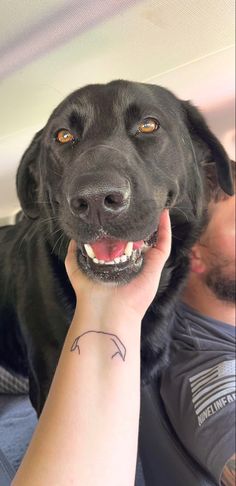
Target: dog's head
(108,161)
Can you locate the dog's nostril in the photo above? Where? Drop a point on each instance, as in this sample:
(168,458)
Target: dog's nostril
(113,201)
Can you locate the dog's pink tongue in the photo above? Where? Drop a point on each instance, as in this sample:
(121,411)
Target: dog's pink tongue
(107,250)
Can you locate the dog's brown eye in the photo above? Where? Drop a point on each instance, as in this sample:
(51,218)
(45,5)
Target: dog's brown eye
(64,136)
(148,125)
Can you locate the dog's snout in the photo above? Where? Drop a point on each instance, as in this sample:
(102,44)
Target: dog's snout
(97,200)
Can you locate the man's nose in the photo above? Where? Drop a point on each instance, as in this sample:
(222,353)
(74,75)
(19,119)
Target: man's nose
(100,198)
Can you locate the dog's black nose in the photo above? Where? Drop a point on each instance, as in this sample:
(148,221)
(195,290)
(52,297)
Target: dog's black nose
(98,199)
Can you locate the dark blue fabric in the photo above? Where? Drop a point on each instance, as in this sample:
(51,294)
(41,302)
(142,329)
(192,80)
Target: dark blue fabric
(17,423)
(6,471)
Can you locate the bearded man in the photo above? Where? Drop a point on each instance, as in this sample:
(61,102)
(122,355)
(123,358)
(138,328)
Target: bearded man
(198,388)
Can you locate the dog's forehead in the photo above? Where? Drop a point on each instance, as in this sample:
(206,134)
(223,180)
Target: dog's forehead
(116,97)
(145,96)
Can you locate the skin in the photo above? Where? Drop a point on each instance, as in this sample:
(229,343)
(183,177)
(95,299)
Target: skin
(228,475)
(88,431)
(214,250)
(214,256)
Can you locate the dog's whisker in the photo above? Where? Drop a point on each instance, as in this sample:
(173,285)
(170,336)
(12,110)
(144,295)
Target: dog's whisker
(56,231)
(62,241)
(43,202)
(57,242)
(32,230)
(47,220)
(180,209)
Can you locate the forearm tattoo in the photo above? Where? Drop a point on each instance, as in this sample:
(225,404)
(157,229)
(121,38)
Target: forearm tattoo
(115,346)
(228,474)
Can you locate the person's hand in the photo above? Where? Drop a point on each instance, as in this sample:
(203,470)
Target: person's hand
(133,298)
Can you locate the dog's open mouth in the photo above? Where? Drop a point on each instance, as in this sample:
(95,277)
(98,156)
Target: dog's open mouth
(111,259)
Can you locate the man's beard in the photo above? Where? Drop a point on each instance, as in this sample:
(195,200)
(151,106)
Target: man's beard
(221,285)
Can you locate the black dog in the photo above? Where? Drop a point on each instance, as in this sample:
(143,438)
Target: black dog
(110,158)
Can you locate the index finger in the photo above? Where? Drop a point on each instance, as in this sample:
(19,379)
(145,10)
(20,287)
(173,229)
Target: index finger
(163,244)
(71,260)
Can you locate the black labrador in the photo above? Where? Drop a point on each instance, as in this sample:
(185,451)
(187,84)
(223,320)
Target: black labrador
(108,161)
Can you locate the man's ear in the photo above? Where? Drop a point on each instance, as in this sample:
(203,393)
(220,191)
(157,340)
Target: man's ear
(197,264)
(27,178)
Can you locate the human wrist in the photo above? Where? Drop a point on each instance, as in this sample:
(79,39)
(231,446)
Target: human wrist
(85,318)
(99,338)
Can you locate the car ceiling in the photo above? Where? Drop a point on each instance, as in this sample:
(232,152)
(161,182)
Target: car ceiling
(48,49)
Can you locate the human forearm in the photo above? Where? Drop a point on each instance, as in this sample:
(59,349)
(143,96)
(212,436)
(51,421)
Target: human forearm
(91,415)
(88,432)
(228,474)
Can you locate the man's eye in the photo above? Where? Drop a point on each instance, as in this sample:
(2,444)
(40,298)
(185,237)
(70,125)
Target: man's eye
(148,125)
(64,136)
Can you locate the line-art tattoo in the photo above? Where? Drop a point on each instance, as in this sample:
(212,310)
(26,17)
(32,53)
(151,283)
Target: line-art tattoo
(118,349)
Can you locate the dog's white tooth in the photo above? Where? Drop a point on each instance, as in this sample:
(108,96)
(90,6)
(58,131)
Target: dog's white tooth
(129,249)
(95,260)
(101,262)
(89,250)
(123,258)
(110,263)
(117,260)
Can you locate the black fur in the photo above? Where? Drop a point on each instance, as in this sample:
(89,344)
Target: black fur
(161,169)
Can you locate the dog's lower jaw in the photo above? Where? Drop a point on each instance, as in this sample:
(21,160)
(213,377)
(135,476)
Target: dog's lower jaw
(118,274)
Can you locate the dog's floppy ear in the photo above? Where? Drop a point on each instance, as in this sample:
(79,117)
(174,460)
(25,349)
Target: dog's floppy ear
(198,128)
(27,178)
